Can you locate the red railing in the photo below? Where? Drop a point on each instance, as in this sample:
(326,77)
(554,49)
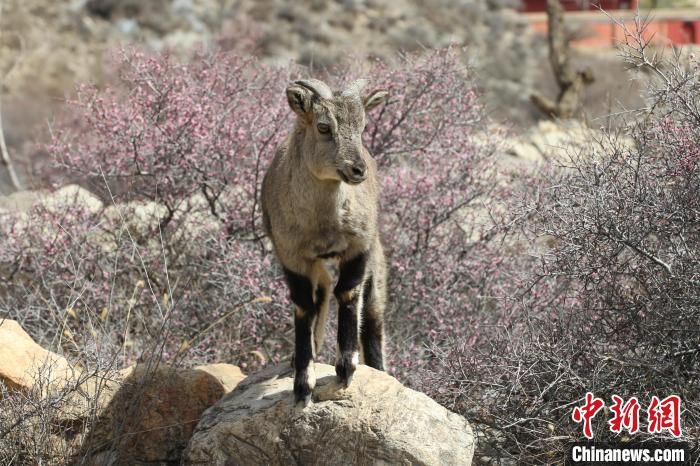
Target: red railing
(605,29)
(581,5)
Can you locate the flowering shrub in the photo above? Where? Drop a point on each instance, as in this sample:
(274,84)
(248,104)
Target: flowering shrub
(438,182)
(177,151)
(182,129)
(609,303)
(76,280)
(174,262)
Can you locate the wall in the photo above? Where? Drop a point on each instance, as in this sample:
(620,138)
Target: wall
(596,29)
(572,5)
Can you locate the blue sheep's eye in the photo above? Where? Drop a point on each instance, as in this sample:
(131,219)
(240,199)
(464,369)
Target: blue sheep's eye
(323,128)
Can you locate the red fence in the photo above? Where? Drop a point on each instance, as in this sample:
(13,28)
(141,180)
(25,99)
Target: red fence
(572,5)
(597,29)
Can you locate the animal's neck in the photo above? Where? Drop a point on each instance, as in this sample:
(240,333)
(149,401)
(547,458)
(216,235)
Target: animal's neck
(313,188)
(315,191)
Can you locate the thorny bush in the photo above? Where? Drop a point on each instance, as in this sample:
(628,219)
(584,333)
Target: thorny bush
(611,299)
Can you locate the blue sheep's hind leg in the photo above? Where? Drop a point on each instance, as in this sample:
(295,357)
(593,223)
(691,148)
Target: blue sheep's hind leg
(372,327)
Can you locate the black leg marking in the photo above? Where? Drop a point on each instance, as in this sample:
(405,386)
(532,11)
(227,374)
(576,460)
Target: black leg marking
(367,292)
(301,294)
(372,332)
(347,342)
(300,290)
(347,293)
(351,274)
(302,359)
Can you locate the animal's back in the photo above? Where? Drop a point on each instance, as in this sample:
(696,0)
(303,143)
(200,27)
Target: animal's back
(268,191)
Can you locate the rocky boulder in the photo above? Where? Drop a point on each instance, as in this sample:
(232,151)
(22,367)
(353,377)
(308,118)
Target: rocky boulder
(70,196)
(143,414)
(374,421)
(559,141)
(550,140)
(21,201)
(24,364)
(150,418)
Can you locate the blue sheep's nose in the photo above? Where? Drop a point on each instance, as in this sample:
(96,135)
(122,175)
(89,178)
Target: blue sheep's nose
(359,171)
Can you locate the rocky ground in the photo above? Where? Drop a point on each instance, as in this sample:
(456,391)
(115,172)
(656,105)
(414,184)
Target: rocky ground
(214,415)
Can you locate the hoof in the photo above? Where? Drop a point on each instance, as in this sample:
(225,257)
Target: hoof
(302,394)
(345,369)
(302,402)
(304,382)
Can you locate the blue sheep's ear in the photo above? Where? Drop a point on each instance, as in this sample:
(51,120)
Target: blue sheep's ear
(375,98)
(300,95)
(299,98)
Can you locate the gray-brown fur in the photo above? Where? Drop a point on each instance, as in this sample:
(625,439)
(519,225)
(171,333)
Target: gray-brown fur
(320,201)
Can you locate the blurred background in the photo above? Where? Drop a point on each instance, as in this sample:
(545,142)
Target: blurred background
(47,47)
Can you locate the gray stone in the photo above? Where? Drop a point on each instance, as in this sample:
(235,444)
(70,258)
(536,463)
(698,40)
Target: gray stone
(374,421)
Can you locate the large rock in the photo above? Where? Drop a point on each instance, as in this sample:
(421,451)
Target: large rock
(559,141)
(137,415)
(70,196)
(551,140)
(137,221)
(25,365)
(152,415)
(60,200)
(21,201)
(141,219)
(374,421)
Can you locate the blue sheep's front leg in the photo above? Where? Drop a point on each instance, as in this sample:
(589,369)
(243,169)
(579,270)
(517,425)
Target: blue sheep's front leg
(305,310)
(348,292)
